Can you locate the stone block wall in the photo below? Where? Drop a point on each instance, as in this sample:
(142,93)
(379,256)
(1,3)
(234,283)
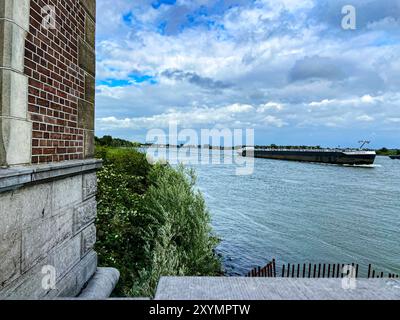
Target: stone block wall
(47,172)
(47,221)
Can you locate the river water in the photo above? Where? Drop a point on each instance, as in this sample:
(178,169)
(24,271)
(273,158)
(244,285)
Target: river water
(303,212)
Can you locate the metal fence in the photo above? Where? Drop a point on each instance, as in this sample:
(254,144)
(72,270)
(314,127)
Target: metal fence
(317,270)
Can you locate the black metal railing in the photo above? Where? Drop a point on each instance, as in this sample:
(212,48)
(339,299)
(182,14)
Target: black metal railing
(317,270)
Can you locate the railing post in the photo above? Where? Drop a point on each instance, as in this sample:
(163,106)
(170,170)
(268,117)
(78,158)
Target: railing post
(274,265)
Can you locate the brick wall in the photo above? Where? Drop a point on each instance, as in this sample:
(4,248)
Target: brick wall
(60,65)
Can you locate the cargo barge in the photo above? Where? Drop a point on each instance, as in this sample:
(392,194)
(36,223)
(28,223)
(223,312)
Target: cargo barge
(329,156)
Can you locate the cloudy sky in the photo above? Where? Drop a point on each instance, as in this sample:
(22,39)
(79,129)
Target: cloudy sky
(286,68)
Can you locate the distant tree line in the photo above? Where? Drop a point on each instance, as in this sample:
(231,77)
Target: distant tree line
(109,141)
(388,152)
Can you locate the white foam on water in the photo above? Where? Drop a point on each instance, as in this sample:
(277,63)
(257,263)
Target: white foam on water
(363,165)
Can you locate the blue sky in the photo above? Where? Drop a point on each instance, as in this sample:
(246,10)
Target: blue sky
(285,68)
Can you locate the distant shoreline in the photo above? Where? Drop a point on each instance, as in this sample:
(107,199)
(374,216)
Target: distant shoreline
(108,141)
(379,152)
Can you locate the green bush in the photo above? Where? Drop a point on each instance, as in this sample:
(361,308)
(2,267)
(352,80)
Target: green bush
(108,141)
(151,222)
(131,163)
(179,241)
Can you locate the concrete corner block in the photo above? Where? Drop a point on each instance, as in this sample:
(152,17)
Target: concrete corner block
(90,31)
(85,115)
(9,215)
(16,138)
(101,285)
(33,203)
(86,270)
(87,57)
(29,285)
(88,239)
(90,7)
(90,88)
(16,11)
(72,283)
(67,192)
(84,215)
(14,94)
(64,257)
(66,287)
(12,45)
(88,148)
(10,253)
(43,236)
(89,185)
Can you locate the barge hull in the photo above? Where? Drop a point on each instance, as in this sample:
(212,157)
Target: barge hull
(340,158)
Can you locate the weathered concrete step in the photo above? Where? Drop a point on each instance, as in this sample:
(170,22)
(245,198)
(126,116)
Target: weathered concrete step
(230,288)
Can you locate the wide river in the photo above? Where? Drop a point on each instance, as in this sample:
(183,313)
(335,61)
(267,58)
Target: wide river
(304,213)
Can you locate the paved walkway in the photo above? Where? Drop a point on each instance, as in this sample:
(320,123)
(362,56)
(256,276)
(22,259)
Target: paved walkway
(229,288)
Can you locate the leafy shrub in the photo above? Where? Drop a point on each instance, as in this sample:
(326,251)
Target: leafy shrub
(130,163)
(151,222)
(179,239)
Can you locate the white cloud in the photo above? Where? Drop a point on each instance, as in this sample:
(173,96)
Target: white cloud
(270,106)
(254,47)
(237,115)
(354,101)
(365,118)
(393,120)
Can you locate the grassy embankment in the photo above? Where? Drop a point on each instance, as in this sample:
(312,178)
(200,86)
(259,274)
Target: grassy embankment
(151,222)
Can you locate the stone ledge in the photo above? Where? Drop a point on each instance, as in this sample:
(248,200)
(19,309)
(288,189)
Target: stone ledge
(16,177)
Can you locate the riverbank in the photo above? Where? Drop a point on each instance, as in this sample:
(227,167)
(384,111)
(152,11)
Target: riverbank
(151,222)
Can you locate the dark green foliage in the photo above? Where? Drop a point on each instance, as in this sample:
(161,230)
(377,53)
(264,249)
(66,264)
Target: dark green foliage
(387,152)
(129,162)
(108,141)
(383,151)
(179,240)
(151,222)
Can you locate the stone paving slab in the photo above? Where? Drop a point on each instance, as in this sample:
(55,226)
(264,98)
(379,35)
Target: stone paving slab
(232,288)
